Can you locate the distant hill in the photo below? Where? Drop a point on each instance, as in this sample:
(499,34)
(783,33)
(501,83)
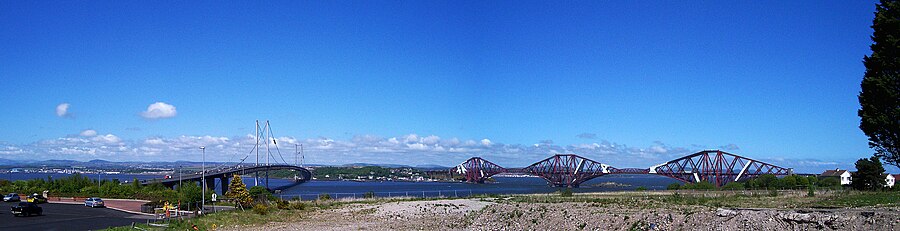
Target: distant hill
(431,167)
(9,162)
(378,165)
(54,162)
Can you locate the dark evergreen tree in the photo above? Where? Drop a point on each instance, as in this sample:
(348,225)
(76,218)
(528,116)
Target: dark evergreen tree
(869,174)
(880,95)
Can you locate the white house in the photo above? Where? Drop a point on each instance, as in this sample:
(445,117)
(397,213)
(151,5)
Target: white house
(843,174)
(889,180)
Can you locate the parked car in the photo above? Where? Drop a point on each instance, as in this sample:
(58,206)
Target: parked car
(36,198)
(11,197)
(26,209)
(93,202)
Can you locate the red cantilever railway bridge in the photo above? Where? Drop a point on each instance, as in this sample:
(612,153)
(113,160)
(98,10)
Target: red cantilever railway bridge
(570,170)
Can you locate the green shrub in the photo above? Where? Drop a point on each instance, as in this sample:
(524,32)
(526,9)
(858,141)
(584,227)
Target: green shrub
(190,193)
(261,209)
(773,193)
(702,185)
(324,196)
(789,181)
(369,194)
(674,186)
(830,182)
(283,205)
(566,192)
(811,191)
(802,181)
(733,186)
(260,194)
(767,181)
(297,205)
(641,188)
(812,180)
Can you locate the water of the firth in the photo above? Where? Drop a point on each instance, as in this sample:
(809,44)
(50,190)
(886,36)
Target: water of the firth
(340,189)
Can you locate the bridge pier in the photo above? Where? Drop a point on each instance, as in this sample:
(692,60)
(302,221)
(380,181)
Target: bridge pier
(224,181)
(210,183)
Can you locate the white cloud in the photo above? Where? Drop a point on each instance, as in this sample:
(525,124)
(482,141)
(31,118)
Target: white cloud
(364,148)
(417,146)
(658,149)
(154,141)
(431,140)
(159,110)
(411,138)
(88,133)
(11,150)
(106,139)
(62,110)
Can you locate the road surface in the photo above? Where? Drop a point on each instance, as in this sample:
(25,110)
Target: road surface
(67,217)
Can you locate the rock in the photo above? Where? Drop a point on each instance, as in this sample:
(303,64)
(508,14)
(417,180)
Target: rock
(798,217)
(725,212)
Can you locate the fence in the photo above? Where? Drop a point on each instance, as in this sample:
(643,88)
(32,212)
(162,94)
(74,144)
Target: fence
(406,194)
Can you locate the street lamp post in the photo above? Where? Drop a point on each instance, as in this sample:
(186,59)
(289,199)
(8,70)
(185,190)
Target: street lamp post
(203,180)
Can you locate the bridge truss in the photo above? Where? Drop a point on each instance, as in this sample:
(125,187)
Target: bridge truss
(570,170)
(476,169)
(716,167)
(567,170)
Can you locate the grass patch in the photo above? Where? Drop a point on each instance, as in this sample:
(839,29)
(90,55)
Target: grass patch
(860,199)
(719,199)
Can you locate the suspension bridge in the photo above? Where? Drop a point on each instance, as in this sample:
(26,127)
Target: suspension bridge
(225,174)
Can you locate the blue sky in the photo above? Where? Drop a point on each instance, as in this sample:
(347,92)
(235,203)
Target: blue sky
(630,83)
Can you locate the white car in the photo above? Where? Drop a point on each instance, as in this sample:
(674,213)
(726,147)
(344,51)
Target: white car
(93,202)
(11,197)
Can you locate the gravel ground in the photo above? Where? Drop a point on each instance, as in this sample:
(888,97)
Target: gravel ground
(406,215)
(588,216)
(500,214)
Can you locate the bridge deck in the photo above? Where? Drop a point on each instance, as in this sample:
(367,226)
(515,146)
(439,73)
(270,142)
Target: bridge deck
(304,174)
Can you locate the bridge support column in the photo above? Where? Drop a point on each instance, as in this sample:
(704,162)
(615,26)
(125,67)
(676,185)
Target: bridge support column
(224,182)
(211,183)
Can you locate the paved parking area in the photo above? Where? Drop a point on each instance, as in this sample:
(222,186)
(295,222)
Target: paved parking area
(67,217)
(121,204)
